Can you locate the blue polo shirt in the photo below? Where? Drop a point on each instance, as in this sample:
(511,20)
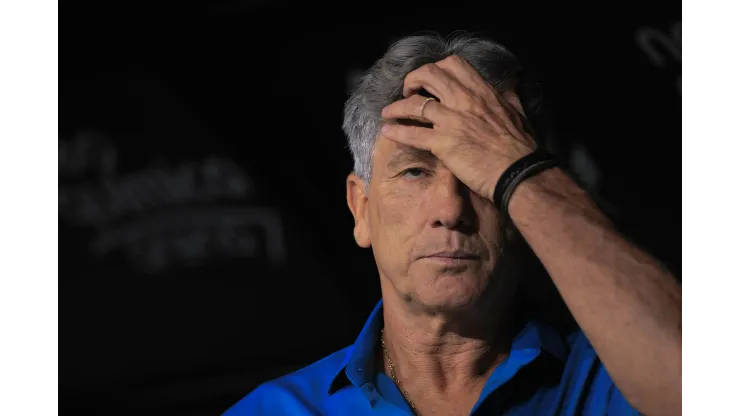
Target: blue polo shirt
(544,374)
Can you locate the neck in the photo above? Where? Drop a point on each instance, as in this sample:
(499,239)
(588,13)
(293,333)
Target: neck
(448,353)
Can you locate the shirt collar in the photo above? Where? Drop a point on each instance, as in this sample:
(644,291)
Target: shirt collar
(358,366)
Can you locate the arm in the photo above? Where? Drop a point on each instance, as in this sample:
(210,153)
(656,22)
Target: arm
(627,305)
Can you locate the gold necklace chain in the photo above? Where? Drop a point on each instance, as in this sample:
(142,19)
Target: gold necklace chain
(393,374)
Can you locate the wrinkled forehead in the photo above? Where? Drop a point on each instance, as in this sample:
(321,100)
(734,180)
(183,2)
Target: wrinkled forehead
(391,156)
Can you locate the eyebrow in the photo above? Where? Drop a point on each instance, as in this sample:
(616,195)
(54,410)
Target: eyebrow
(406,155)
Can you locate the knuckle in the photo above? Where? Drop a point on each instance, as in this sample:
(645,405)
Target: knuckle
(472,103)
(455,59)
(428,68)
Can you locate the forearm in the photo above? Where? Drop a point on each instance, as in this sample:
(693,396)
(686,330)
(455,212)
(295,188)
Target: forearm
(628,306)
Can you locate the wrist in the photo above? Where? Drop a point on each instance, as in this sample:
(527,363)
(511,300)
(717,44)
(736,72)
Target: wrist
(517,174)
(536,193)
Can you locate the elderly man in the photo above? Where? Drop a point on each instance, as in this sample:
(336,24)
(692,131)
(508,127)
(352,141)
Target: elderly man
(447,175)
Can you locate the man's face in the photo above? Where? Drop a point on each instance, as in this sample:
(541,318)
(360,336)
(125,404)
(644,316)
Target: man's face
(434,240)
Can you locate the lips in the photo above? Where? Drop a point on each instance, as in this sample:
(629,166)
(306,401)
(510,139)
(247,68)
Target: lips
(456,254)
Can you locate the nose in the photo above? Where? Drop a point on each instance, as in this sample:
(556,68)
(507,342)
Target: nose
(450,204)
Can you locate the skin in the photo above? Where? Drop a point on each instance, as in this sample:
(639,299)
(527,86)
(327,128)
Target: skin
(437,309)
(446,319)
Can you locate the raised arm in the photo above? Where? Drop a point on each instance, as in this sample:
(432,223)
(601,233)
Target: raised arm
(628,306)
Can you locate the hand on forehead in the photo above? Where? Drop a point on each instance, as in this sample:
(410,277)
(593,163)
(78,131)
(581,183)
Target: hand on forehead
(474,130)
(455,84)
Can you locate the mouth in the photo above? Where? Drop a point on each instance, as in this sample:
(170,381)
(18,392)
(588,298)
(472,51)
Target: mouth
(452,256)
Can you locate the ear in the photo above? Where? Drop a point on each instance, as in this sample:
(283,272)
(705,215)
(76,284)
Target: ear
(357,202)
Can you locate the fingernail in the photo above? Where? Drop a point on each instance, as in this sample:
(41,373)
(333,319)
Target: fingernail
(386,128)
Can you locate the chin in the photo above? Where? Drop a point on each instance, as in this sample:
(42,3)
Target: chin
(450,291)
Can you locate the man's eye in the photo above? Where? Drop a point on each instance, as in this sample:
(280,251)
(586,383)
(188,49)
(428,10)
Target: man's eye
(414,173)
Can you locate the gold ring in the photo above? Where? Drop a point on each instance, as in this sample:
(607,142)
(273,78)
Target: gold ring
(424,104)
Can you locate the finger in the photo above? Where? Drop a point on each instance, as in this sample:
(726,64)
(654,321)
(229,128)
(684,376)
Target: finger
(515,102)
(469,77)
(512,99)
(417,108)
(433,79)
(510,102)
(465,73)
(419,137)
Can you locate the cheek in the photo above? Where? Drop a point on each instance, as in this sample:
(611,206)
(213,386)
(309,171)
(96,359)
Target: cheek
(396,221)
(396,208)
(489,228)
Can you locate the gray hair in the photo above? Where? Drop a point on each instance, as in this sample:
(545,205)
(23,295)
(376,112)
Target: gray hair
(383,84)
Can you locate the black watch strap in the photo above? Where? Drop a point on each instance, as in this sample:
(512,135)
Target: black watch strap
(518,172)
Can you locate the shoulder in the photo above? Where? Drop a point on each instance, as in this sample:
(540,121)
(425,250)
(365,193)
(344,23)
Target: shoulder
(597,392)
(297,393)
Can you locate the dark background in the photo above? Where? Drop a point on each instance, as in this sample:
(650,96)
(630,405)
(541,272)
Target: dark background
(205,243)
